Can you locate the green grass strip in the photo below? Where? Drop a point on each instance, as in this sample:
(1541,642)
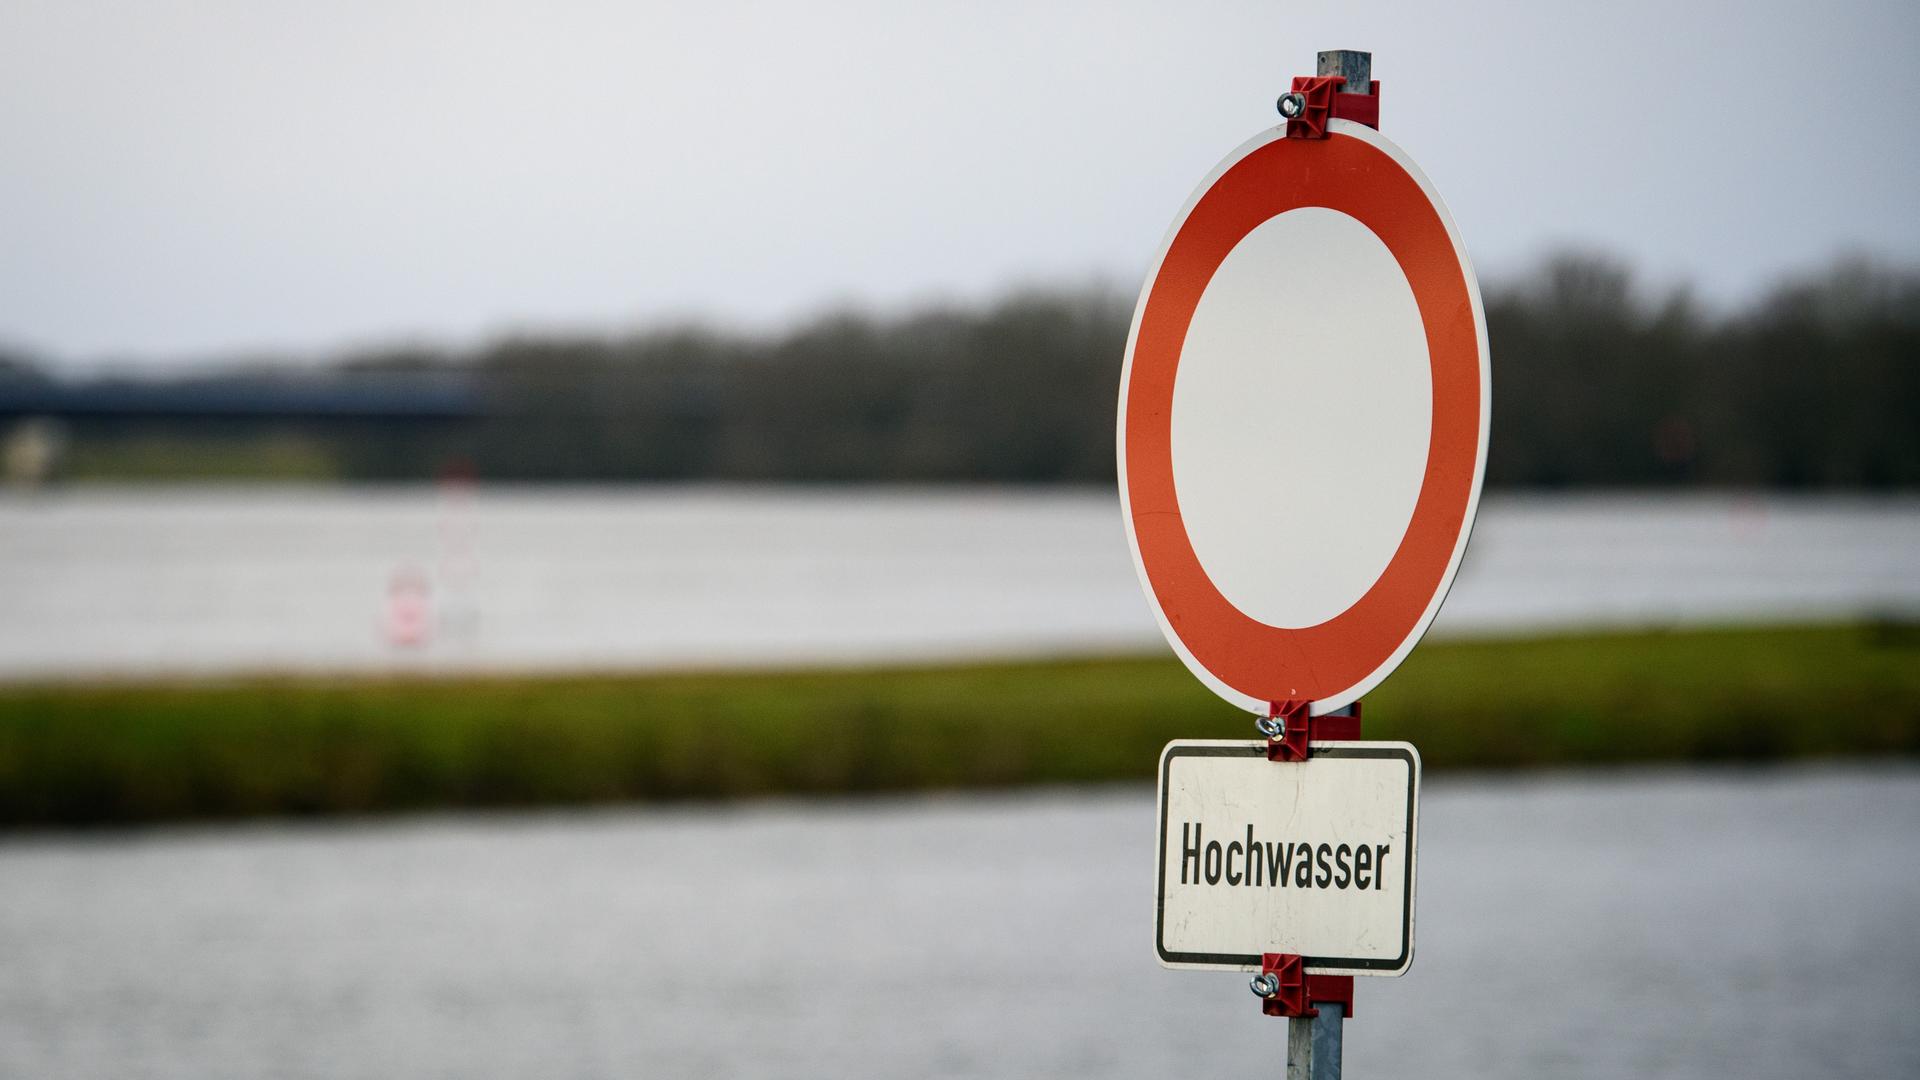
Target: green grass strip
(162,751)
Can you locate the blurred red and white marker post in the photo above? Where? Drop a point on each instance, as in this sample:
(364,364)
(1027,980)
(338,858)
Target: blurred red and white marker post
(1302,436)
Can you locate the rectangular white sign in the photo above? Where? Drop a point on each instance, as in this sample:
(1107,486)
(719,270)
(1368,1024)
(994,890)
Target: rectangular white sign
(1313,857)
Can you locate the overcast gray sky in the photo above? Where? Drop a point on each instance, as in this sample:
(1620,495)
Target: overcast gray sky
(178,179)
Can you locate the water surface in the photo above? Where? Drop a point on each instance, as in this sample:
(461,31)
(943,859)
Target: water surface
(1679,924)
(166,581)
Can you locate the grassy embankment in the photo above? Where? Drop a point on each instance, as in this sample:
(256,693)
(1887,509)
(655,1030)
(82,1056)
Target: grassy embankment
(304,746)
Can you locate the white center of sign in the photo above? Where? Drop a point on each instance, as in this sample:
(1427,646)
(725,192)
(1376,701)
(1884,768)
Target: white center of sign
(1302,410)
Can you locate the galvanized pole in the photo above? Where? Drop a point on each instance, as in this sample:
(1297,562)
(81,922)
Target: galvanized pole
(1355,67)
(1313,1042)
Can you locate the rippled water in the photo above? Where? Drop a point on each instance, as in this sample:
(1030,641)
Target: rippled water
(1727,923)
(210,580)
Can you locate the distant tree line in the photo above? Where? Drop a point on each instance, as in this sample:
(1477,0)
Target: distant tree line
(1816,384)
(1598,380)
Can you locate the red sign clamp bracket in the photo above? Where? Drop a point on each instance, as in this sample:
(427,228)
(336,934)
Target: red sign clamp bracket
(1292,729)
(1315,99)
(1286,989)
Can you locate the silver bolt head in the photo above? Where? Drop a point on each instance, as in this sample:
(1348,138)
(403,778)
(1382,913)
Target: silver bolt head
(1292,105)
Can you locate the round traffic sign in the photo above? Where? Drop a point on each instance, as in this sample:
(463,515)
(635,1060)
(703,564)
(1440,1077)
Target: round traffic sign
(1303,418)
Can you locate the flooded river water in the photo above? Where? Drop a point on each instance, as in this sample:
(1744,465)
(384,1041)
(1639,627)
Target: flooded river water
(221,580)
(1647,923)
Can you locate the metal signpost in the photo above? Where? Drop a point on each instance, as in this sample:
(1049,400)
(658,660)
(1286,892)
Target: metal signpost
(1301,440)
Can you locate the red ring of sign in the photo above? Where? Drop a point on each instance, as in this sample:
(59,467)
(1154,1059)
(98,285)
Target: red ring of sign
(1315,663)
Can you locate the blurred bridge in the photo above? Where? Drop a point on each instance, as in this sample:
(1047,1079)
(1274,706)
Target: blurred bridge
(333,397)
(36,414)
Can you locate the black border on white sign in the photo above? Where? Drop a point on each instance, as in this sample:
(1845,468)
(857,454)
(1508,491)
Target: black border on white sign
(1251,961)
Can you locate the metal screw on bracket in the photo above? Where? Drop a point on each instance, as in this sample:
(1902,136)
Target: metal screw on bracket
(1273,727)
(1266,984)
(1292,105)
